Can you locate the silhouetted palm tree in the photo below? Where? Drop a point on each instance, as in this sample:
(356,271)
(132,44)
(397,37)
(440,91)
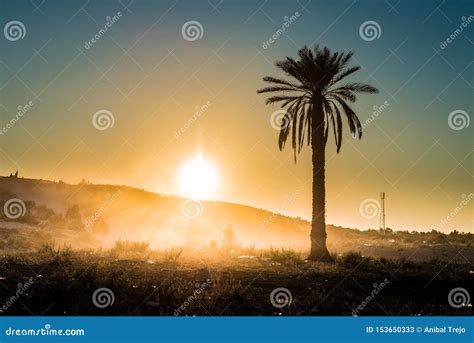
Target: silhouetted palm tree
(314,100)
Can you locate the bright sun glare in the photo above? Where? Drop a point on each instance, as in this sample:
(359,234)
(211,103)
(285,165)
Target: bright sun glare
(198,178)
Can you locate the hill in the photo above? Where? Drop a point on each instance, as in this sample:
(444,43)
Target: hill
(92,216)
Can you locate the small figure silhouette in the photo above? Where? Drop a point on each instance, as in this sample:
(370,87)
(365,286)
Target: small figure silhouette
(230,241)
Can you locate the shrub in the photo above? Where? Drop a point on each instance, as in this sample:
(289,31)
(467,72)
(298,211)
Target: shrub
(172,255)
(130,247)
(351,259)
(284,256)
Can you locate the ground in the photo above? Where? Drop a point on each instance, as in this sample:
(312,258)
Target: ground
(60,281)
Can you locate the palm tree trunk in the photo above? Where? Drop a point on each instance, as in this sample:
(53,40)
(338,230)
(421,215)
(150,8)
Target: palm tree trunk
(319,251)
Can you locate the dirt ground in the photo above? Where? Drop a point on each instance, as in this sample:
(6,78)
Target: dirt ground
(65,282)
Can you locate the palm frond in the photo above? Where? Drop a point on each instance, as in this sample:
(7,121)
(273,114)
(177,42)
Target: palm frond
(311,90)
(276,89)
(289,120)
(342,74)
(346,57)
(345,94)
(293,69)
(352,119)
(279,82)
(337,128)
(357,87)
(278,98)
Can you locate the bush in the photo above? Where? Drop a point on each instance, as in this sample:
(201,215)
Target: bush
(284,256)
(351,259)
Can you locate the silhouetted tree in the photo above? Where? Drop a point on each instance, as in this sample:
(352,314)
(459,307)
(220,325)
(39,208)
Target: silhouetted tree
(314,100)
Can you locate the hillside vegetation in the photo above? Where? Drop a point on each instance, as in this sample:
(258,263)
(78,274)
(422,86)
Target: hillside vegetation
(87,216)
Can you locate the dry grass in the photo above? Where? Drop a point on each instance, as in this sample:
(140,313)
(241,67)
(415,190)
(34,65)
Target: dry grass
(156,284)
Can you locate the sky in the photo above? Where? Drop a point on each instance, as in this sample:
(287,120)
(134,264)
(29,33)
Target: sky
(144,96)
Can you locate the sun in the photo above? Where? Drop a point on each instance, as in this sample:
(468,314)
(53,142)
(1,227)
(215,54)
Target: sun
(198,178)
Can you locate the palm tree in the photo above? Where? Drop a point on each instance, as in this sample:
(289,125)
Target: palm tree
(314,100)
